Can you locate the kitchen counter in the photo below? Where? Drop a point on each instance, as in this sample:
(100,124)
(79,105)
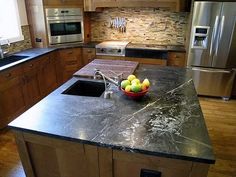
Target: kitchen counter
(31,53)
(167,122)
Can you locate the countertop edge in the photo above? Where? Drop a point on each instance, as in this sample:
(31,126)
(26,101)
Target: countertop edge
(117,147)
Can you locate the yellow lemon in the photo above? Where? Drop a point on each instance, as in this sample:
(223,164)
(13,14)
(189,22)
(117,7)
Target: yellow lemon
(137,81)
(146,82)
(128,88)
(131,77)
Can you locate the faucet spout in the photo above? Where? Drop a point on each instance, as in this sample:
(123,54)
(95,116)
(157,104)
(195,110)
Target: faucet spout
(115,81)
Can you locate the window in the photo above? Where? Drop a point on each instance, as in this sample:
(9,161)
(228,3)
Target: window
(10,27)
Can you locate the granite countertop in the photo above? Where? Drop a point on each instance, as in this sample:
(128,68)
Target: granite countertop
(166,122)
(31,53)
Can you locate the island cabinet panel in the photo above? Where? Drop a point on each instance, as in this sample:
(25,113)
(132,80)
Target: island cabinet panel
(48,75)
(177,59)
(12,101)
(31,82)
(88,55)
(125,163)
(49,157)
(70,62)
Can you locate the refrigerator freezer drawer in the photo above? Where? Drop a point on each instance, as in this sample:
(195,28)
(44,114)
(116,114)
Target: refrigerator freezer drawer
(213,82)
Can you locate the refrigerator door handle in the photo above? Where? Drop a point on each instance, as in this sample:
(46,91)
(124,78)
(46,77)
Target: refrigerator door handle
(214,33)
(211,70)
(220,34)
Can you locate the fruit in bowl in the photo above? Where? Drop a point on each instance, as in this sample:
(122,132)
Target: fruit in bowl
(134,88)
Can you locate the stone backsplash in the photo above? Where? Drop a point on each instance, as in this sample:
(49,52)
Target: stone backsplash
(144,25)
(21,45)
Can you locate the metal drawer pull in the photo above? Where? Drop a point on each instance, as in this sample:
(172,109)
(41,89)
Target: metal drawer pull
(149,173)
(211,70)
(31,65)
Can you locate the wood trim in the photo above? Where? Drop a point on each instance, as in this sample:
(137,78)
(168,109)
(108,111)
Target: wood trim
(146,159)
(91,153)
(24,153)
(105,162)
(199,169)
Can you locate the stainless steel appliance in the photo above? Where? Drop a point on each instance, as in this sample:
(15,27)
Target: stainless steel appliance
(111,48)
(212,49)
(64,25)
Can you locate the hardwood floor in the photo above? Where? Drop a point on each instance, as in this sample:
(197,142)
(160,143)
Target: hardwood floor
(220,118)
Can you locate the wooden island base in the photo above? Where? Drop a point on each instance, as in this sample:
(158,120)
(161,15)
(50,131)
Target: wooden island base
(44,156)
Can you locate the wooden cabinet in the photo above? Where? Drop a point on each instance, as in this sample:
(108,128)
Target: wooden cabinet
(173,5)
(88,55)
(70,62)
(48,75)
(153,61)
(63,3)
(176,59)
(31,85)
(12,101)
(67,158)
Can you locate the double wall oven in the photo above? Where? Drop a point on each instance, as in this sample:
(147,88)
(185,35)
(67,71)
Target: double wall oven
(64,25)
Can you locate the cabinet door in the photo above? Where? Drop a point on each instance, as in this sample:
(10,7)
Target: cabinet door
(176,59)
(88,55)
(31,86)
(12,101)
(70,61)
(47,75)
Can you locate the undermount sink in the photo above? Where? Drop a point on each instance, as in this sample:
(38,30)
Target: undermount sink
(11,59)
(86,88)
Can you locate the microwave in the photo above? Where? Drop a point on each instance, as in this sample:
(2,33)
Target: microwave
(64,25)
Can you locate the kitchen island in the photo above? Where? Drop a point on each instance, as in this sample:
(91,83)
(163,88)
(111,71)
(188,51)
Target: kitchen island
(165,132)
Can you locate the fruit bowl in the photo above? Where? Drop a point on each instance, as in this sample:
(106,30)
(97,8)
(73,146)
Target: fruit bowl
(135,95)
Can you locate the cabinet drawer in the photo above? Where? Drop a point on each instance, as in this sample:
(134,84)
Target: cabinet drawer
(31,65)
(10,73)
(70,54)
(176,59)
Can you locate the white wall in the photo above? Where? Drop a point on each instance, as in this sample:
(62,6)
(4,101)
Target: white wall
(22,11)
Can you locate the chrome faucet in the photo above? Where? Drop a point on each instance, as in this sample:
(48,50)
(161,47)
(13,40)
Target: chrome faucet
(116,81)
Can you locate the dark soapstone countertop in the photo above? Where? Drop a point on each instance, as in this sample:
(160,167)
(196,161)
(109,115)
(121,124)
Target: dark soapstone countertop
(31,53)
(166,122)
(167,48)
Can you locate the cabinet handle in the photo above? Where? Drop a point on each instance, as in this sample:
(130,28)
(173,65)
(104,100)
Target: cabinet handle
(70,52)
(8,75)
(31,65)
(89,51)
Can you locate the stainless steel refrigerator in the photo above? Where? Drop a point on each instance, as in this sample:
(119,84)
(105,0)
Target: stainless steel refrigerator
(212,49)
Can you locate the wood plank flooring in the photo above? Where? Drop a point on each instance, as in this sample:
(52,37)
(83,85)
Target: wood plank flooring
(220,118)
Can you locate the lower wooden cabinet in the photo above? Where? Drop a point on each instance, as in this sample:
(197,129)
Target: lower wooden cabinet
(48,75)
(44,156)
(12,101)
(88,55)
(176,59)
(24,85)
(31,82)
(70,62)
(153,61)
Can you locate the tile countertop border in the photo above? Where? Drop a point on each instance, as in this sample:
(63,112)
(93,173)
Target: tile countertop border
(37,52)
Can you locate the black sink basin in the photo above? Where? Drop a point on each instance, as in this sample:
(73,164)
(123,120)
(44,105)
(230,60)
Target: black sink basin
(86,88)
(11,59)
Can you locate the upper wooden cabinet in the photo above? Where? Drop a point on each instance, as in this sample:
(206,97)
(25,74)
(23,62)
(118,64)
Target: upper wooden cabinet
(173,5)
(63,3)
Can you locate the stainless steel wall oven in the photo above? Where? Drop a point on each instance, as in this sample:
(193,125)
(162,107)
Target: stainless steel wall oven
(64,25)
